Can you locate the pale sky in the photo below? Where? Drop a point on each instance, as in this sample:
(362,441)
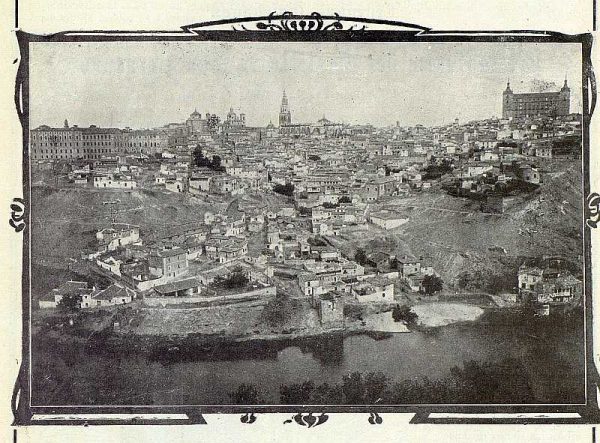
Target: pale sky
(149,84)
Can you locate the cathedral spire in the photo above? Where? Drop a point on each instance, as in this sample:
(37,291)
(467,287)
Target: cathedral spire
(285,116)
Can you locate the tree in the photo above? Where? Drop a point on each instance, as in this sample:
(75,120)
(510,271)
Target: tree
(70,303)
(199,159)
(246,394)
(314,157)
(287,189)
(278,311)
(197,155)
(216,164)
(345,199)
(360,257)
(404,313)
(296,393)
(325,394)
(328,205)
(436,169)
(235,280)
(432,284)
(353,388)
(374,387)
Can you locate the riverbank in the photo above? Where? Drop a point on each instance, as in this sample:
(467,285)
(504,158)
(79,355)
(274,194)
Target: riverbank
(433,315)
(108,368)
(119,342)
(145,328)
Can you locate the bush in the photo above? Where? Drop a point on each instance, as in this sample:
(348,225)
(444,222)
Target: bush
(404,313)
(474,383)
(246,394)
(432,284)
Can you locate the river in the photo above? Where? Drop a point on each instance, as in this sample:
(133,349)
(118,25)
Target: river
(552,359)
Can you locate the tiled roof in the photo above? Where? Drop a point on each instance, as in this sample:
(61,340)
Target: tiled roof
(180,285)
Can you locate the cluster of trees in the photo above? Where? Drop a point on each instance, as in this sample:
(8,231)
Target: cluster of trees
(492,283)
(404,313)
(287,189)
(235,280)
(361,258)
(343,199)
(475,383)
(246,394)
(278,311)
(432,284)
(201,161)
(70,303)
(436,169)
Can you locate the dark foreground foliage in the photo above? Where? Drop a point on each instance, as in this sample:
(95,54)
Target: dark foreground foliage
(474,383)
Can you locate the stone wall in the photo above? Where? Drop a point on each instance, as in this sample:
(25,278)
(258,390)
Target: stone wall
(265,294)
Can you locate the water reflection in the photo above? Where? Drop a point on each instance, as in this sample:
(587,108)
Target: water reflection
(328,351)
(196,372)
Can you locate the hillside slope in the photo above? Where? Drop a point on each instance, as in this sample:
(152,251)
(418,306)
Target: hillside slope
(64,221)
(458,239)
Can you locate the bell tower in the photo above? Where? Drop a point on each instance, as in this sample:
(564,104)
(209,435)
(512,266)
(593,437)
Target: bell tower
(564,99)
(507,102)
(285,116)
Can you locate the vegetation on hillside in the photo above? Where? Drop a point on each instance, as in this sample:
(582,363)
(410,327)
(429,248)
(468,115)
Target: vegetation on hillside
(287,189)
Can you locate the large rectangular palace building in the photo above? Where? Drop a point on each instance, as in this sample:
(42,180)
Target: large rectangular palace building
(535,104)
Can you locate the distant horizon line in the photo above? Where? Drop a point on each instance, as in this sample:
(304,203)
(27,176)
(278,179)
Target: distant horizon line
(494,117)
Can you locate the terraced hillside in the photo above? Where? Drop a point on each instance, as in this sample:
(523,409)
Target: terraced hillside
(64,221)
(461,241)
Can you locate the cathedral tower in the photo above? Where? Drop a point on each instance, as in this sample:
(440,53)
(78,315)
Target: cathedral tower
(285,116)
(507,102)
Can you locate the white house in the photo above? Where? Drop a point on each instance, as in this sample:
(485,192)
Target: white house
(374,290)
(174,185)
(387,219)
(114,182)
(120,234)
(113,295)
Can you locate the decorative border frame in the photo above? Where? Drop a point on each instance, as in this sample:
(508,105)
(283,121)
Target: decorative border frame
(288,27)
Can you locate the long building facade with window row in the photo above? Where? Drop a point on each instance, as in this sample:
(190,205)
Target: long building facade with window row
(93,143)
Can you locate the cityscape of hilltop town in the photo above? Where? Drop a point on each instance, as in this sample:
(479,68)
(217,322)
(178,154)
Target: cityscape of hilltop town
(213,227)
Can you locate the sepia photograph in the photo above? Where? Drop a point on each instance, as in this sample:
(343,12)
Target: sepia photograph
(306,223)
